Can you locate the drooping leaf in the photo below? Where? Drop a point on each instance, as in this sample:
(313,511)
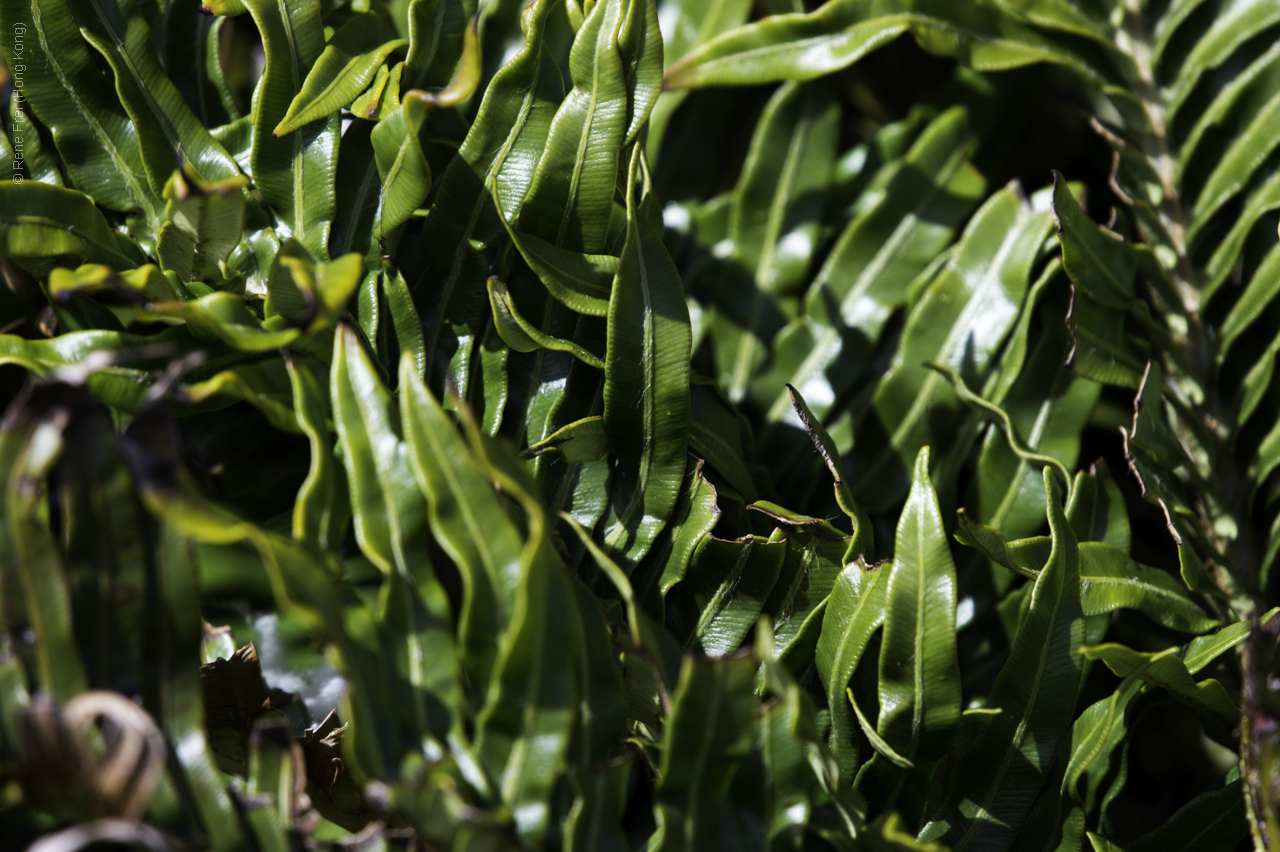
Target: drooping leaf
(1172,674)
(865,278)
(343,70)
(40,220)
(975,299)
(165,125)
(522,336)
(801,47)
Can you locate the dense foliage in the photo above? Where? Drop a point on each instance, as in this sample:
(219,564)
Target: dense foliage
(640,424)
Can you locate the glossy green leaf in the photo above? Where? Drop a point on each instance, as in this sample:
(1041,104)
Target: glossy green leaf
(343,70)
(147,281)
(855,610)
(390,526)
(1099,739)
(998,780)
(522,336)
(500,149)
(222,316)
(574,346)
(293,173)
(321,513)
(1233,172)
(190,50)
(865,278)
(571,194)
(524,731)
(649,346)
(90,128)
(312,295)
(203,223)
(685,25)
(1101,349)
(40,220)
(1229,30)
(1249,90)
(1097,511)
(975,299)
(583,440)
(1097,261)
(264,385)
(1045,407)
(708,732)
(720,434)
(793,756)
(385,499)
(369,104)
(579,281)
(1111,580)
(1015,441)
(773,226)
(467,519)
(798,604)
(919,684)
(990,543)
(724,591)
(166,126)
(1259,293)
(1171,674)
(691,24)
(695,514)
(1262,200)
(641,48)
(437,36)
(1205,649)
(402,164)
(843,31)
